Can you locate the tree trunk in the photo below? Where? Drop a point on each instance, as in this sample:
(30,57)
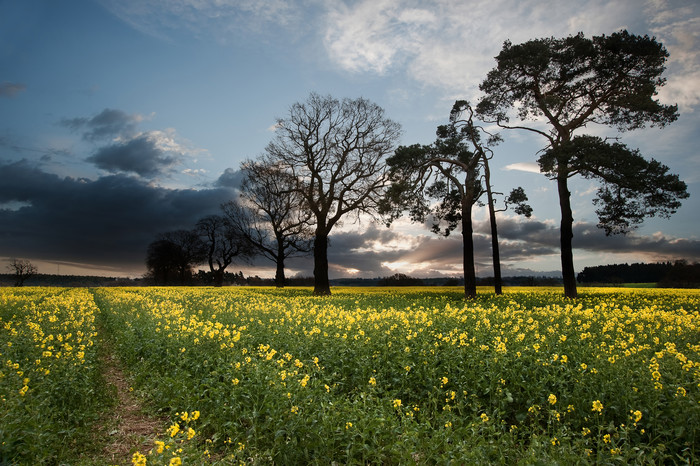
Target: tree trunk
(322,285)
(468,250)
(567,234)
(495,252)
(279,273)
(218,277)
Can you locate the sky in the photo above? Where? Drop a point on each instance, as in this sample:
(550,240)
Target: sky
(123,119)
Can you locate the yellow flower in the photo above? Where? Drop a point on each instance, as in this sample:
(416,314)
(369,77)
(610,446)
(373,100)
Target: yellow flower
(444,381)
(552,399)
(138,459)
(194,415)
(173,430)
(597,406)
(348,425)
(176,461)
(372,381)
(397,403)
(636,415)
(295,409)
(159,446)
(190,433)
(484,417)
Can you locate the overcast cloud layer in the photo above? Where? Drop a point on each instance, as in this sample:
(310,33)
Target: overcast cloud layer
(122,119)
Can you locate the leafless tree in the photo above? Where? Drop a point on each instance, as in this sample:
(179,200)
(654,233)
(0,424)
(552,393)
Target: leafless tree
(335,153)
(222,243)
(23,270)
(272,215)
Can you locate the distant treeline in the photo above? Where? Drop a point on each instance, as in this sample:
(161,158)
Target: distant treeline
(678,274)
(203,278)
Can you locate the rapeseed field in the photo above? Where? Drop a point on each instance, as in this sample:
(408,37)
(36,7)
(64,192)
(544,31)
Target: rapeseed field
(365,376)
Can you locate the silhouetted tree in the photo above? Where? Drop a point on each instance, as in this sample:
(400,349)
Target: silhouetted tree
(23,270)
(172,256)
(273,217)
(570,83)
(334,151)
(450,171)
(462,117)
(223,242)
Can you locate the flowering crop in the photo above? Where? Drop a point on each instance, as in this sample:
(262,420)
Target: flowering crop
(419,375)
(50,386)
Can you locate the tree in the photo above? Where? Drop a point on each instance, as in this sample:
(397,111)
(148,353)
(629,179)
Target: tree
(462,117)
(273,217)
(22,269)
(172,256)
(335,153)
(570,83)
(222,242)
(447,171)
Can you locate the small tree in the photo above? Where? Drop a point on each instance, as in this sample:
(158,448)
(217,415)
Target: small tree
(172,256)
(574,82)
(22,269)
(273,217)
(335,153)
(223,242)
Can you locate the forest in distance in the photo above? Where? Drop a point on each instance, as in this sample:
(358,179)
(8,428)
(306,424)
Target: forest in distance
(677,274)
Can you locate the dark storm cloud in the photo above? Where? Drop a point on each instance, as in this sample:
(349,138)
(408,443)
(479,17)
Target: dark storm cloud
(140,155)
(230,178)
(109,123)
(8,89)
(107,221)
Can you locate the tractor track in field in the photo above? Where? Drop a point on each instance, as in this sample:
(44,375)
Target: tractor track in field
(127,425)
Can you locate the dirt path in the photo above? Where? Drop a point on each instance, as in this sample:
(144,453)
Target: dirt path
(129,428)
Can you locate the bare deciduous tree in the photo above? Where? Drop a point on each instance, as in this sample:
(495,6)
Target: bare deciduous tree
(22,269)
(335,153)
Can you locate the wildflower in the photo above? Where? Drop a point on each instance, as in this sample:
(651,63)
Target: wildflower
(174,429)
(606,438)
(597,406)
(160,446)
(138,459)
(348,425)
(295,409)
(555,441)
(176,461)
(190,433)
(484,417)
(372,381)
(552,399)
(680,391)
(194,415)
(444,381)
(397,403)
(636,415)
(585,431)
(184,416)
(448,424)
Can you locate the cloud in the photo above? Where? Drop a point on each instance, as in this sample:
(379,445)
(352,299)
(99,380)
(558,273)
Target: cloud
(207,19)
(230,178)
(530,167)
(451,44)
(108,124)
(108,221)
(142,155)
(8,89)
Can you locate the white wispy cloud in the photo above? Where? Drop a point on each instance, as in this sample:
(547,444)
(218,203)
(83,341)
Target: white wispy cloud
(451,44)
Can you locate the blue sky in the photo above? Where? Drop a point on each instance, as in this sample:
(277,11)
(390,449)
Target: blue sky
(121,119)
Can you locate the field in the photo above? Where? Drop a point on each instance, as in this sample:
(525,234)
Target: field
(366,376)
